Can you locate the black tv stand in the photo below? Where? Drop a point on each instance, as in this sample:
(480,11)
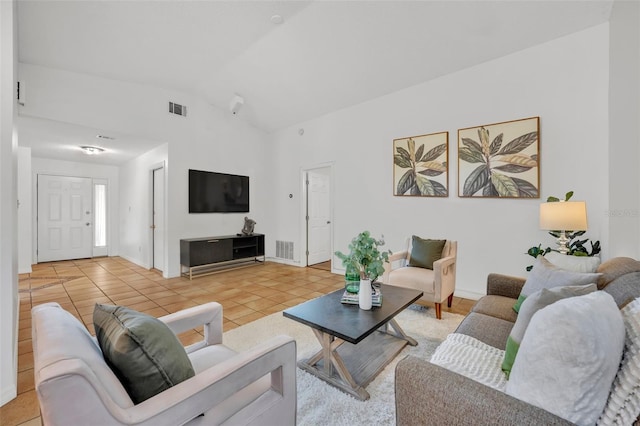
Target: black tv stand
(204,256)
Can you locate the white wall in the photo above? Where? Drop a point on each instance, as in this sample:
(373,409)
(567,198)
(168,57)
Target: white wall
(70,168)
(135,205)
(220,143)
(9,301)
(624,129)
(565,82)
(25,232)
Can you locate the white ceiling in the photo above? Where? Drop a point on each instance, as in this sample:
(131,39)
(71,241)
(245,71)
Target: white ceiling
(327,55)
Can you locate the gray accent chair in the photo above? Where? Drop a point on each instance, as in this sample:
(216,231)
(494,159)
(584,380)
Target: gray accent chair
(437,285)
(75,386)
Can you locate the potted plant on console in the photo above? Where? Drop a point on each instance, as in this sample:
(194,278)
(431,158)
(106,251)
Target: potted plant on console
(366,258)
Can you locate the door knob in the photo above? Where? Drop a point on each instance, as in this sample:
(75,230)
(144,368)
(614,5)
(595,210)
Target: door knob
(87,223)
(328,222)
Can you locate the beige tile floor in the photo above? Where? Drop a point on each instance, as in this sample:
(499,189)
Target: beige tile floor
(246,294)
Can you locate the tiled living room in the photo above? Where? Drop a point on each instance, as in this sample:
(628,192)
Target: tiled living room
(246,294)
(454,132)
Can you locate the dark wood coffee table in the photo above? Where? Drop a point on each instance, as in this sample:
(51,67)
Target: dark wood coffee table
(356,344)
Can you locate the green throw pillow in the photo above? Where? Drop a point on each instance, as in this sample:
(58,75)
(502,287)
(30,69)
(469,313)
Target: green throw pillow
(141,350)
(536,301)
(425,252)
(546,275)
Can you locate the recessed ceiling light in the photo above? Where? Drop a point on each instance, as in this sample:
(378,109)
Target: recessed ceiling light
(91,150)
(277,19)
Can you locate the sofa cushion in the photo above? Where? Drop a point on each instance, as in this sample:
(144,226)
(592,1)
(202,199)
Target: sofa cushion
(546,275)
(496,306)
(424,252)
(616,267)
(573,263)
(623,406)
(143,352)
(538,300)
(569,357)
(490,330)
(418,278)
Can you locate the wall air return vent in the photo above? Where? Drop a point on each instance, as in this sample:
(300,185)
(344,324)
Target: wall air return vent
(284,250)
(177,109)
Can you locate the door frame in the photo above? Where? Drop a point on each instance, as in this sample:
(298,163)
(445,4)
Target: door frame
(304,225)
(152,168)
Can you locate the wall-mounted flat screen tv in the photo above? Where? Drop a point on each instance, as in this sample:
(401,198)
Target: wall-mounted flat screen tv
(211,192)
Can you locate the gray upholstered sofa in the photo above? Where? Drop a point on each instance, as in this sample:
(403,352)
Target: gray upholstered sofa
(429,394)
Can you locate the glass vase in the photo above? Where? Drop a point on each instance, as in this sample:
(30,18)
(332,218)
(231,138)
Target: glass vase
(352,280)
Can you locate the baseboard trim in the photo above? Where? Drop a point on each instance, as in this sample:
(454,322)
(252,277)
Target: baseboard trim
(285,261)
(467,294)
(8,394)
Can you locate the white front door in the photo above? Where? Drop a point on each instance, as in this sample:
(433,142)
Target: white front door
(319,216)
(158,219)
(65,229)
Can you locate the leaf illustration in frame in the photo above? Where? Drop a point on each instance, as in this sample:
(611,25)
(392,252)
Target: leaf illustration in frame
(420,165)
(489,167)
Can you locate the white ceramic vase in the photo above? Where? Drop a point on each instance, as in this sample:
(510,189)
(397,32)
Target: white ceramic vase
(364,295)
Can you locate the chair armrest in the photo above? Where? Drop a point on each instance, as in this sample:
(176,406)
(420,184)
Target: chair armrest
(504,285)
(388,266)
(210,387)
(429,394)
(444,273)
(208,315)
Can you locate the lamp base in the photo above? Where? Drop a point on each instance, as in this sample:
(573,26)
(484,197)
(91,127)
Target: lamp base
(563,243)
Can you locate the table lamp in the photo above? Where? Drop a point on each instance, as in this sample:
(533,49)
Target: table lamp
(563,217)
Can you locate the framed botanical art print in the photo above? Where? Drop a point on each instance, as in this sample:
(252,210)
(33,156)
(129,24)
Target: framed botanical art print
(420,165)
(500,160)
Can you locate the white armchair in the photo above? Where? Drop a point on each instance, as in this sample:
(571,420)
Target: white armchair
(437,285)
(75,386)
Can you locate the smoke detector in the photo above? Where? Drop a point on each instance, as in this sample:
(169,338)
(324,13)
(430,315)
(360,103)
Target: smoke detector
(235,104)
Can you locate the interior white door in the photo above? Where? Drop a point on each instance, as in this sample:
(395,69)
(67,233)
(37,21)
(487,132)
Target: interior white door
(65,228)
(319,216)
(158,219)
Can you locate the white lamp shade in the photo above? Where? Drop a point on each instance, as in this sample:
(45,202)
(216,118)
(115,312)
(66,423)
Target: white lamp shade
(564,216)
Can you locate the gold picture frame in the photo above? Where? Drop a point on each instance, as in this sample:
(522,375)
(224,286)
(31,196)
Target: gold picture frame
(500,160)
(421,165)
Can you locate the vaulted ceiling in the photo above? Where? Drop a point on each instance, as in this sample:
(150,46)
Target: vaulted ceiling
(324,56)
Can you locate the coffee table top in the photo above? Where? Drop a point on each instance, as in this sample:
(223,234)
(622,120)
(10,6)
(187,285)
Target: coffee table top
(349,322)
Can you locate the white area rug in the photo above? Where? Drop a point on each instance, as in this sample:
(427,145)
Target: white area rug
(320,403)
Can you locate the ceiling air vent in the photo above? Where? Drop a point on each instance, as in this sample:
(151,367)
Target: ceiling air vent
(177,109)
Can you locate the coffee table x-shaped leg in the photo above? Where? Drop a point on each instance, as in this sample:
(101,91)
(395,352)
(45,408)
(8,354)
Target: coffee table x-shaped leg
(356,365)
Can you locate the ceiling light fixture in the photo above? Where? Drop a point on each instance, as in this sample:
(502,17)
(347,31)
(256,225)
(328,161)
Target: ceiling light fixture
(91,150)
(277,19)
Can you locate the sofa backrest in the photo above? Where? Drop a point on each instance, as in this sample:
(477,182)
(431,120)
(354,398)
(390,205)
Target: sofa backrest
(621,279)
(62,349)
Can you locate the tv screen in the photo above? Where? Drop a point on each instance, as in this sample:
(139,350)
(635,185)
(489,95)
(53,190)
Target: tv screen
(211,192)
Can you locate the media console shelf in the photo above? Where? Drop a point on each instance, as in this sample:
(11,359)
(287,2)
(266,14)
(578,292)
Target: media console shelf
(203,256)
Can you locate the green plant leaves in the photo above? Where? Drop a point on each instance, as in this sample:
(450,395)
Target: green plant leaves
(434,153)
(406,182)
(365,256)
(470,155)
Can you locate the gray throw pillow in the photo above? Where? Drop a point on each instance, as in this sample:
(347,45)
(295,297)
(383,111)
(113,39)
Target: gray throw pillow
(141,350)
(536,301)
(424,252)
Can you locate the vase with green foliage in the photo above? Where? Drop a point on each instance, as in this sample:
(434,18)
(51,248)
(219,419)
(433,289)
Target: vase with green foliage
(365,256)
(576,246)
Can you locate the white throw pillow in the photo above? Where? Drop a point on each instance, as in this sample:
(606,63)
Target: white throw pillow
(574,263)
(569,357)
(623,406)
(546,275)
